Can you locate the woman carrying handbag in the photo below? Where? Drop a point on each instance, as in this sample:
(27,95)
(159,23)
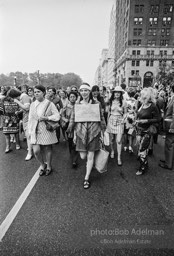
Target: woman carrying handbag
(40,137)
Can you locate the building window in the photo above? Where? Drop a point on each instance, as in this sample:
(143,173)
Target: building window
(152,32)
(153,21)
(137,42)
(137,72)
(168,8)
(139,8)
(133,63)
(137,31)
(166,21)
(137,63)
(154,9)
(167,31)
(151,42)
(151,63)
(138,21)
(164,42)
(150,53)
(132,72)
(163,53)
(172,63)
(147,63)
(134,52)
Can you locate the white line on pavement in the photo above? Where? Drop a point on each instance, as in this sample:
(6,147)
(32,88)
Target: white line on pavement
(14,211)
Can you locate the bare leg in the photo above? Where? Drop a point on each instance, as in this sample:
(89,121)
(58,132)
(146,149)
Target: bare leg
(7,140)
(48,155)
(119,147)
(89,164)
(17,141)
(38,155)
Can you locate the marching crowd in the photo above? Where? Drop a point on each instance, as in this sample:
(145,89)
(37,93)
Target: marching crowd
(128,117)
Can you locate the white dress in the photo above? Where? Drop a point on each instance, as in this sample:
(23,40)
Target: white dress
(38,129)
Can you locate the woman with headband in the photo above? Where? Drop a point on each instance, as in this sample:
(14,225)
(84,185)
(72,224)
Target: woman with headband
(87,134)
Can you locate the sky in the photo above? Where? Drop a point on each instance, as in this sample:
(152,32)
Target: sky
(53,36)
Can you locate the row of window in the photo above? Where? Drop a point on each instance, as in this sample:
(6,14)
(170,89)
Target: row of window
(137,63)
(168,8)
(151,32)
(150,63)
(163,42)
(150,52)
(153,21)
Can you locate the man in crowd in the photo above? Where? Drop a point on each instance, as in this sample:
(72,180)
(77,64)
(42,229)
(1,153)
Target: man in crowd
(169,141)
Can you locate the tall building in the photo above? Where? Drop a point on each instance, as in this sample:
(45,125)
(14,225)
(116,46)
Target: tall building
(144,33)
(104,67)
(111,49)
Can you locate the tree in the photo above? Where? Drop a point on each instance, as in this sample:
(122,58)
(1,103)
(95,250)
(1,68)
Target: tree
(70,79)
(165,74)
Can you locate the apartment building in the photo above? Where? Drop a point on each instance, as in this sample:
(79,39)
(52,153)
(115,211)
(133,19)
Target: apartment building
(144,40)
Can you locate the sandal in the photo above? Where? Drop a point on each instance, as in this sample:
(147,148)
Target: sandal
(42,171)
(86,184)
(47,172)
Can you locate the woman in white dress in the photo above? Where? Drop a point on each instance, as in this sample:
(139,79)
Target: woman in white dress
(42,110)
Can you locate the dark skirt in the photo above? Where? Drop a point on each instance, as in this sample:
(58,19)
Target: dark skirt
(94,145)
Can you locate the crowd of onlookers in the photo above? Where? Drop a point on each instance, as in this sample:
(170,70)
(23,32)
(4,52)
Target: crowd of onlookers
(130,117)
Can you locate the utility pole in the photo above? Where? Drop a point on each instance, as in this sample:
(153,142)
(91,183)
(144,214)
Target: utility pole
(38,77)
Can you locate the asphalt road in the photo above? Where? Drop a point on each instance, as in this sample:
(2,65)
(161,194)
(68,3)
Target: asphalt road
(59,217)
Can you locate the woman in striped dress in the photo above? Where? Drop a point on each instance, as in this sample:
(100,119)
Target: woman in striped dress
(116,119)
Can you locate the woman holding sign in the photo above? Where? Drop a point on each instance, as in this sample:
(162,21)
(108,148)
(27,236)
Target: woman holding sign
(88,122)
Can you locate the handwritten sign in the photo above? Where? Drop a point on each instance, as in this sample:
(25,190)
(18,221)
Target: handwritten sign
(87,113)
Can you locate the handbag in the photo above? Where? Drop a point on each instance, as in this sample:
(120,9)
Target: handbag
(63,124)
(51,126)
(167,124)
(152,129)
(106,139)
(101,160)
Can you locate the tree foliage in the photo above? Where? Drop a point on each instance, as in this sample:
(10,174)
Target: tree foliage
(70,79)
(165,74)
(56,80)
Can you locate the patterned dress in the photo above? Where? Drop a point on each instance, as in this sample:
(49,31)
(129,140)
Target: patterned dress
(10,119)
(41,135)
(115,125)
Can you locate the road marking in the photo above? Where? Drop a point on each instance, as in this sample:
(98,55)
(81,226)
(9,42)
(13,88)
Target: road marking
(14,211)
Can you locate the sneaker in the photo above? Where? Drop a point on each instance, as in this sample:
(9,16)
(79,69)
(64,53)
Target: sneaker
(125,148)
(139,173)
(28,157)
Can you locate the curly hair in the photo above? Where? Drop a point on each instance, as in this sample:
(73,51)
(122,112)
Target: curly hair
(149,93)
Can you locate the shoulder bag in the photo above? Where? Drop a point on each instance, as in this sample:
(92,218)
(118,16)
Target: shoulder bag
(51,125)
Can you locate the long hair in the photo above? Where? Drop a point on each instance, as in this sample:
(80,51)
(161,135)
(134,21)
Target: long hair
(120,99)
(95,88)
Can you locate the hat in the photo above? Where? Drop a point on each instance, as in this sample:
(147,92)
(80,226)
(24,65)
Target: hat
(85,86)
(118,89)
